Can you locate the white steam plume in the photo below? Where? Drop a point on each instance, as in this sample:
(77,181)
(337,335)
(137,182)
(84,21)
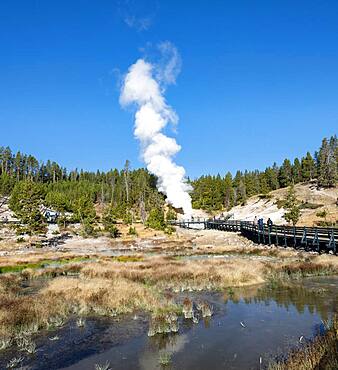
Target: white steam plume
(153,114)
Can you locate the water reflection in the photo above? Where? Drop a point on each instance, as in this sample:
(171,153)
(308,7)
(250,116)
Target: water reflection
(317,295)
(159,346)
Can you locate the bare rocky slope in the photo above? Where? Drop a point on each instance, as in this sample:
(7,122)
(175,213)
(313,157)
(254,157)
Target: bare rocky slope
(314,202)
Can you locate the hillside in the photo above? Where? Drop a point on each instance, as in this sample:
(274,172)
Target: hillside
(314,202)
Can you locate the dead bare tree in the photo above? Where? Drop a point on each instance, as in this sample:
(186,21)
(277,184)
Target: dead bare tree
(126,178)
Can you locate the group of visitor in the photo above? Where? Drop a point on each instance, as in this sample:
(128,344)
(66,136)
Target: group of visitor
(260,223)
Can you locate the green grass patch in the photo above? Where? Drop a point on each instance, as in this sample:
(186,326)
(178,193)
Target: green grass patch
(127,258)
(38,265)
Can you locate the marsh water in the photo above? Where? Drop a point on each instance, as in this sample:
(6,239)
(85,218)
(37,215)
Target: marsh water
(249,327)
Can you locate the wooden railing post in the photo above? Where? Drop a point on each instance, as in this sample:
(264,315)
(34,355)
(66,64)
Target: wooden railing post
(315,242)
(332,242)
(259,235)
(304,238)
(263,229)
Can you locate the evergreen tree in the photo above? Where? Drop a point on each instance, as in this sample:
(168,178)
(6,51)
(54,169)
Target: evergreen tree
(285,173)
(18,166)
(109,221)
(263,183)
(171,215)
(7,183)
(239,185)
(242,193)
(58,201)
(296,171)
(292,206)
(308,167)
(155,219)
(271,174)
(228,192)
(250,184)
(26,200)
(327,163)
(84,212)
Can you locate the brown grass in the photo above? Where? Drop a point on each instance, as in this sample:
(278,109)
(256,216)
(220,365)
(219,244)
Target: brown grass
(123,284)
(65,296)
(108,296)
(110,287)
(303,267)
(18,312)
(165,272)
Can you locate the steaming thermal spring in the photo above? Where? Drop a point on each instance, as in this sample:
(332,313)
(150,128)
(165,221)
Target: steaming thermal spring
(140,86)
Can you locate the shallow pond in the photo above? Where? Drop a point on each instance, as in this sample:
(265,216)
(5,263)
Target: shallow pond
(249,327)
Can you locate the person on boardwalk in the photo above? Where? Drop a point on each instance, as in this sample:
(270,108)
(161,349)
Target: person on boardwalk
(260,223)
(270,223)
(255,221)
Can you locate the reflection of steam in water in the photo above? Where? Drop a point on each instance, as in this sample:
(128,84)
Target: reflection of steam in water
(161,344)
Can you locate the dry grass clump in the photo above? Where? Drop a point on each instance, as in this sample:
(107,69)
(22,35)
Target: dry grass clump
(52,272)
(9,284)
(326,259)
(20,313)
(321,353)
(50,307)
(164,272)
(102,295)
(304,268)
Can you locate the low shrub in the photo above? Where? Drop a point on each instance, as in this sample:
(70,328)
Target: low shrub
(132,231)
(326,223)
(114,232)
(322,213)
(265,196)
(308,205)
(280,203)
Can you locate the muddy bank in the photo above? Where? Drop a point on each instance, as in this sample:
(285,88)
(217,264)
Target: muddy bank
(183,241)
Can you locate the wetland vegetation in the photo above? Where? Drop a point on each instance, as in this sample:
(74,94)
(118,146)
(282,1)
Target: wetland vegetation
(161,291)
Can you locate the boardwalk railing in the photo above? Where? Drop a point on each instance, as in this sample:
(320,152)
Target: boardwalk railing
(319,239)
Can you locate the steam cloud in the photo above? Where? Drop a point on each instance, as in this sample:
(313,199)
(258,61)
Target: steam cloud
(152,115)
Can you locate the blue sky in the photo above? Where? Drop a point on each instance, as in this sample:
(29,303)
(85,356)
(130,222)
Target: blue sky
(259,79)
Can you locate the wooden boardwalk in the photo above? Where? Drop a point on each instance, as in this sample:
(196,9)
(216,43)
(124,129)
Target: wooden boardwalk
(319,239)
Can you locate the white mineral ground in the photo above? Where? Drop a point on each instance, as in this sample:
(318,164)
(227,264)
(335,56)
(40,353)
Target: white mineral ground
(325,199)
